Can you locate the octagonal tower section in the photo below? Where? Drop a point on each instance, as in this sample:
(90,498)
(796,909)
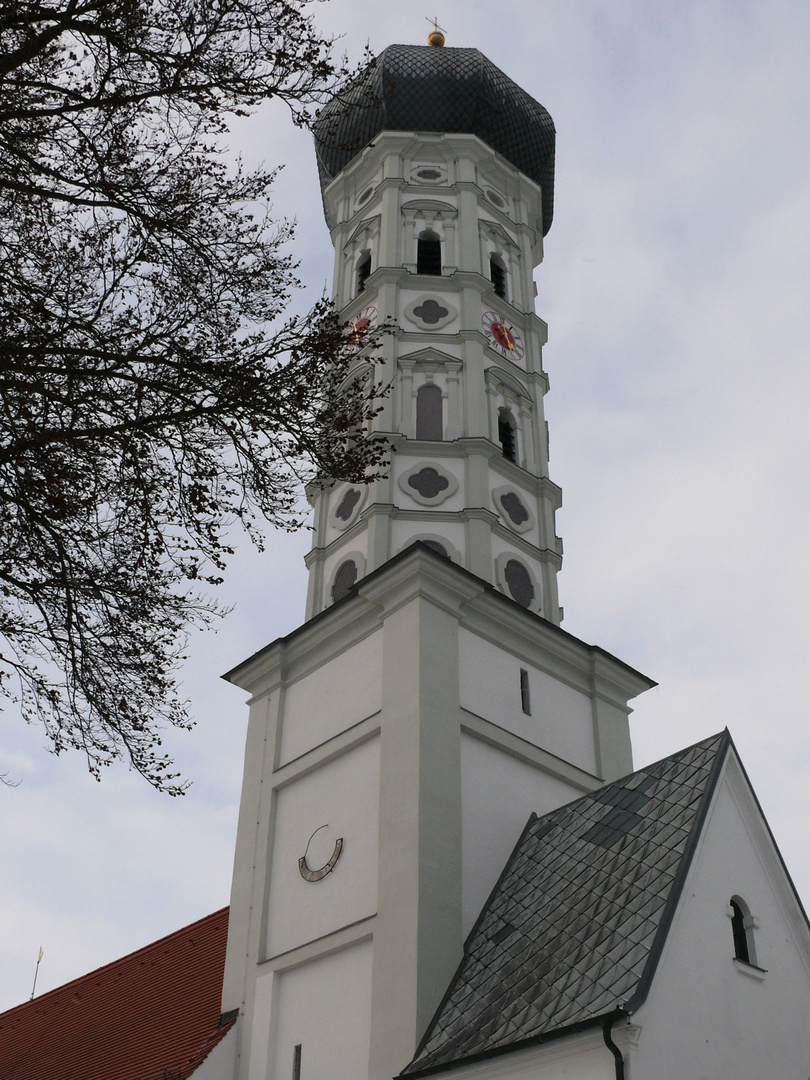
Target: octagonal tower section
(437,177)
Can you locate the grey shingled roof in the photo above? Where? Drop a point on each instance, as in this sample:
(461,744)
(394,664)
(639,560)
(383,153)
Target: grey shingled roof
(574,928)
(419,88)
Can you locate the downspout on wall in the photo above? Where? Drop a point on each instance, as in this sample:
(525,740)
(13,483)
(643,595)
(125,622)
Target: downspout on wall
(607,1026)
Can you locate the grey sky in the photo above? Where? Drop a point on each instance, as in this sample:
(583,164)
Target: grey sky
(675,287)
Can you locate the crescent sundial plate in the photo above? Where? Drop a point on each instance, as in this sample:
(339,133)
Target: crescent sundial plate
(315,875)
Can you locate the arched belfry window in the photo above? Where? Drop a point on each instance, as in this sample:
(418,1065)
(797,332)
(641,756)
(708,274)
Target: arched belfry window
(507,434)
(363,272)
(742,926)
(344,579)
(429,419)
(497,275)
(428,253)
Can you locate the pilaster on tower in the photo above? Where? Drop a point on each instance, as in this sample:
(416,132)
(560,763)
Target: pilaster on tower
(437,175)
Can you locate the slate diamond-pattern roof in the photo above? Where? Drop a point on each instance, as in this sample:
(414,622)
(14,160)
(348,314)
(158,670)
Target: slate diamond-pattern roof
(575,925)
(420,88)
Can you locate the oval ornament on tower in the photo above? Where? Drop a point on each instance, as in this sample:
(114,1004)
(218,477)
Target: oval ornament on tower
(514,509)
(428,483)
(430,312)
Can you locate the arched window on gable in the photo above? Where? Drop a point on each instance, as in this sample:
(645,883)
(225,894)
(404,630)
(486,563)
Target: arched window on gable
(363,272)
(507,433)
(428,253)
(497,275)
(742,931)
(429,419)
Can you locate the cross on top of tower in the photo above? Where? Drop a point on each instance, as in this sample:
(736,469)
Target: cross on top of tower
(436,37)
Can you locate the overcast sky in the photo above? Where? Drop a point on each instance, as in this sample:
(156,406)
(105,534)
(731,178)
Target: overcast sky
(675,287)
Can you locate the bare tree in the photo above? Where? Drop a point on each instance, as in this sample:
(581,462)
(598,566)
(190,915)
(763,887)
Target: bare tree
(152,392)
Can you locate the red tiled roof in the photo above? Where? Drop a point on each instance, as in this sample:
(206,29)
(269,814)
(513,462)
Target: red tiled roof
(151,1015)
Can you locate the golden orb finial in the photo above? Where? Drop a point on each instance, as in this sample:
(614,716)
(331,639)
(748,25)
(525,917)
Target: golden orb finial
(435,37)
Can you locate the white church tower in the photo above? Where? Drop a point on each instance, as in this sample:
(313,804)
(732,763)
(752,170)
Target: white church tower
(401,737)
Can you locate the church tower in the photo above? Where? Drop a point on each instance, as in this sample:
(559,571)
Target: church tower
(435,233)
(400,738)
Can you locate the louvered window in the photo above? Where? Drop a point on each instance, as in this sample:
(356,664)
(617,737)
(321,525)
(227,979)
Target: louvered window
(497,275)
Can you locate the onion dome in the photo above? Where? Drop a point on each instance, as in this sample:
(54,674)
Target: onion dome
(423,88)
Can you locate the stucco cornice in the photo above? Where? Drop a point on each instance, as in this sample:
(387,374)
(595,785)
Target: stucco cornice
(418,571)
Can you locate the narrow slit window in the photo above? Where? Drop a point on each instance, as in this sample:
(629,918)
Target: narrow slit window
(363,272)
(428,254)
(741,926)
(497,275)
(296,1069)
(429,420)
(507,434)
(525,692)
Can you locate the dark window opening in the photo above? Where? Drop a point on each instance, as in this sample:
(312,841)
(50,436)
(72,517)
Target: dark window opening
(507,434)
(296,1072)
(363,271)
(429,421)
(739,918)
(497,275)
(428,254)
(525,693)
(519,582)
(344,579)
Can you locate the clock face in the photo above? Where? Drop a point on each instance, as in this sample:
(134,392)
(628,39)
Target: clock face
(364,320)
(503,337)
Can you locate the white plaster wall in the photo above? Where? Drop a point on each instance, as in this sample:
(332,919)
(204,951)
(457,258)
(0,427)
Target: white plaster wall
(490,214)
(448,348)
(334,697)
(325,1006)
(561,720)
(415,186)
(498,794)
(403,532)
(578,1057)
(705,1018)
(343,794)
(221,1062)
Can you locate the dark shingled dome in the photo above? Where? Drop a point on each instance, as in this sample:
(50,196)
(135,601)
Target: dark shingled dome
(423,88)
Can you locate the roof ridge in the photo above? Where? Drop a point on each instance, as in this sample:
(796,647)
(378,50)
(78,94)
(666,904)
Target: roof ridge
(629,776)
(684,865)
